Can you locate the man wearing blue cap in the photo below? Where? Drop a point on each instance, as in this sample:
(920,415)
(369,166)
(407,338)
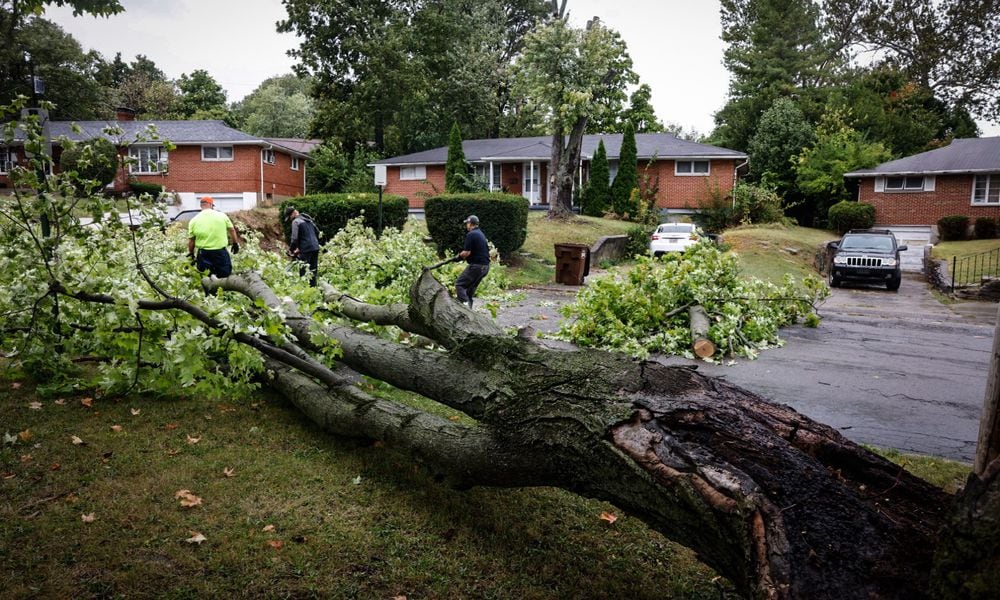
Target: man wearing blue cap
(477,253)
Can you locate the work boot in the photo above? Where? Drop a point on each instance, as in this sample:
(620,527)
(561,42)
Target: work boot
(470,303)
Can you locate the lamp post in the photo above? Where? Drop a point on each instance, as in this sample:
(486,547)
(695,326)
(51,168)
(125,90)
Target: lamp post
(380,181)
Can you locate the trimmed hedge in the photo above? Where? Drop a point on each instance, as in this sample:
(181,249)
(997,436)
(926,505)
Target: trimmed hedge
(331,212)
(986,228)
(846,215)
(953,227)
(153,189)
(502,217)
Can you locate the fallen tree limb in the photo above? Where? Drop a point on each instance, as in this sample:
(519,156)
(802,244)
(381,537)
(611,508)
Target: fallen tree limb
(782,506)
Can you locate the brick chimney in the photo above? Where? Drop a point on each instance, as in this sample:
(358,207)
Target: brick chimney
(124,114)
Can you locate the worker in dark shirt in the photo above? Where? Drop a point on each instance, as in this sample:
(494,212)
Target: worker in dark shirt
(477,253)
(304,243)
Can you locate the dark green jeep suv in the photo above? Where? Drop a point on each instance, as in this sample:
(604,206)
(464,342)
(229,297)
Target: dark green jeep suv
(867,255)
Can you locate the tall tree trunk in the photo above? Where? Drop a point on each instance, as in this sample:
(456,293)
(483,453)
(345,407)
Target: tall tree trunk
(782,506)
(988,447)
(564,164)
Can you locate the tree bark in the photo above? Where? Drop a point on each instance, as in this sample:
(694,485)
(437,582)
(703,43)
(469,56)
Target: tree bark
(782,506)
(698,319)
(988,446)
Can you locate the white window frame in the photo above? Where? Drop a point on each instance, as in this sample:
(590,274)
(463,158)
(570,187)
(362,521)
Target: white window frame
(414,173)
(692,172)
(267,155)
(8,158)
(217,148)
(295,163)
(905,183)
(146,165)
(483,172)
(992,181)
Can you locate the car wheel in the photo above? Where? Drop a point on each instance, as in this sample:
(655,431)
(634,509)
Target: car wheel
(834,282)
(893,284)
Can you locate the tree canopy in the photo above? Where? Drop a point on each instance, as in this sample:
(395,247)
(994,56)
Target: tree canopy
(280,107)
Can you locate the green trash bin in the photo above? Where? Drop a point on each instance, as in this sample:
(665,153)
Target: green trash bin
(572,263)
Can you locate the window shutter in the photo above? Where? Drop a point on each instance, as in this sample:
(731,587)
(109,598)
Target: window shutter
(879,184)
(929,183)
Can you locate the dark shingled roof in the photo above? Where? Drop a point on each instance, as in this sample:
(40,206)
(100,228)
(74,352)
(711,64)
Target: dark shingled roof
(964,155)
(178,132)
(648,145)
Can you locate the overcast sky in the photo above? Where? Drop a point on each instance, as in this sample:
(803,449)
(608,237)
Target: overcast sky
(674,44)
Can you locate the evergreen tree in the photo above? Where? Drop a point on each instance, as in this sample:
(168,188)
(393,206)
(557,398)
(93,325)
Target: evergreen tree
(783,132)
(597,193)
(641,112)
(456,170)
(627,178)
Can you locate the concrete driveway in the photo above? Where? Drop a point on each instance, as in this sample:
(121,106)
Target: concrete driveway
(898,370)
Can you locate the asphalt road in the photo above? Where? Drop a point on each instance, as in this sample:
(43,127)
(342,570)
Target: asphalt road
(897,370)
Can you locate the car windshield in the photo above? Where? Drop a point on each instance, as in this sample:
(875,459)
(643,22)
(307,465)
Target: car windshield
(867,242)
(675,228)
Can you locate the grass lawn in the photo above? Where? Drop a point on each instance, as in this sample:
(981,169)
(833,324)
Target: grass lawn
(769,252)
(302,514)
(949,250)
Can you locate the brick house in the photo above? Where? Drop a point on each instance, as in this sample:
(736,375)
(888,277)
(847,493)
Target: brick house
(239,170)
(687,172)
(962,178)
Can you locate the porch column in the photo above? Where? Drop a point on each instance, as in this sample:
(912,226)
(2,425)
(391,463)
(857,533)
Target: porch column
(533,194)
(491,175)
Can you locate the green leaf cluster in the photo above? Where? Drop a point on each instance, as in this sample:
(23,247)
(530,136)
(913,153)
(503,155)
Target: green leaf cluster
(643,311)
(597,193)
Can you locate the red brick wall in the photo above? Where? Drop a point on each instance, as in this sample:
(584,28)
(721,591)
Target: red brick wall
(952,195)
(189,173)
(21,161)
(416,190)
(688,191)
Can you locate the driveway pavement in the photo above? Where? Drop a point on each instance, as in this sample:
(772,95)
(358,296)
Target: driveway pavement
(898,370)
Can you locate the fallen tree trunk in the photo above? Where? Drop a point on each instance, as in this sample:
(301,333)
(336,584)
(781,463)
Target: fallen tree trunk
(702,346)
(782,506)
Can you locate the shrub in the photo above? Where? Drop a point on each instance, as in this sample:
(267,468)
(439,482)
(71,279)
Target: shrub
(846,215)
(331,212)
(597,192)
(502,217)
(953,227)
(94,160)
(747,204)
(627,177)
(638,240)
(139,187)
(986,228)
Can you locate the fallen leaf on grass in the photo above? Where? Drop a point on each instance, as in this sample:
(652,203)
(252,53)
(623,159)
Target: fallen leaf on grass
(276,544)
(88,518)
(135,413)
(16,385)
(356,480)
(55,467)
(60,401)
(116,428)
(188,500)
(9,475)
(35,405)
(88,402)
(25,435)
(77,441)
(9,438)
(268,528)
(399,598)
(196,538)
(454,418)
(609,517)
(173,452)
(170,426)
(229,472)
(25,458)
(193,440)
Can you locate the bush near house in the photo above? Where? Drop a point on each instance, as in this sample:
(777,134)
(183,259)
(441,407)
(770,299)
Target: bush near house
(94,160)
(331,212)
(153,189)
(986,228)
(953,228)
(847,215)
(502,217)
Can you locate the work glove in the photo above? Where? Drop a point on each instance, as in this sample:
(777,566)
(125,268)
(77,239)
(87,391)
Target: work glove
(192,259)
(235,248)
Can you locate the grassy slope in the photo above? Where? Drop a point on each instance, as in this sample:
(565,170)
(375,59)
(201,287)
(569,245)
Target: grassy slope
(353,519)
(948,250)
(764,250)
